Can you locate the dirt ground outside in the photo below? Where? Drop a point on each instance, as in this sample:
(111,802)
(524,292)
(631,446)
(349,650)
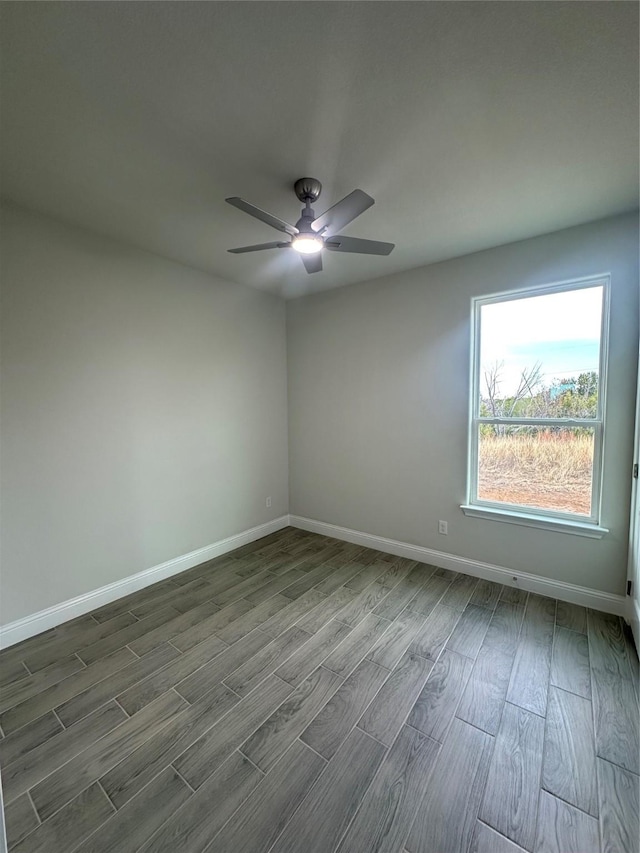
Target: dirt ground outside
(547,471)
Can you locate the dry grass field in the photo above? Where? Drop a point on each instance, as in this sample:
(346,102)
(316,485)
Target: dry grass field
(547,470)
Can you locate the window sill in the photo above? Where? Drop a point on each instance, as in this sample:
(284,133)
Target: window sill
(560,525)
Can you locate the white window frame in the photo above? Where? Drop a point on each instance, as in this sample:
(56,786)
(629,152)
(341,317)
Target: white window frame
(518,514)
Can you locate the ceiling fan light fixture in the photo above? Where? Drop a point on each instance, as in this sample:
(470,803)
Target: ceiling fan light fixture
(306,244)
(311,234)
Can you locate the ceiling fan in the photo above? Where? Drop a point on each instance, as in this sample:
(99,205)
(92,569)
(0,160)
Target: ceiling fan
(311,234)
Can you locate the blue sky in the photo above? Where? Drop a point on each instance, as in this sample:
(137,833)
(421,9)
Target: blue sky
(560,359)
(559,330)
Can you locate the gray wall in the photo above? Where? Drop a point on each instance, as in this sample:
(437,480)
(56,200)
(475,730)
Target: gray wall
(144,408)
(144,411)
(378,403)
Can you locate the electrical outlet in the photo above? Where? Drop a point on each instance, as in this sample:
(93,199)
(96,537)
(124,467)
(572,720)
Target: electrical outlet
(268,502)
(443,527)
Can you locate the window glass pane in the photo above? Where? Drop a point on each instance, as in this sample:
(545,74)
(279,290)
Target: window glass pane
(536,467)
(540,355)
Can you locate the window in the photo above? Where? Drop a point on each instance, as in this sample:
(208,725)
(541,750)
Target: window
(538,386)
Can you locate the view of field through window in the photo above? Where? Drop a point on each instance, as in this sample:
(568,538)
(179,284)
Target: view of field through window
(538,468)
(539,359)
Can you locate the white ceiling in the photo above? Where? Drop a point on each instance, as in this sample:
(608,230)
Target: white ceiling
(471,124)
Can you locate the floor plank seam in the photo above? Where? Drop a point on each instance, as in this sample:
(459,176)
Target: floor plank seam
(55,714)
(364,792)
(60,766)
(176,686)
(300,805)
(570,692)
(493,829)
(630,772)
(246,757)
(454,715)
(172,689)
(179,775)
(63,805)
(473,725)
(87,714)
(546,722)
(568,802)
(567,628)
(537,828)
(84,665)
(132,652)
(102,737)
(482,795)
(228,714)
(594,724)
(405,718)
(308,746)
(234,813)
(523,708)
(616,764)
(106,793)
(33,806)
(124,710)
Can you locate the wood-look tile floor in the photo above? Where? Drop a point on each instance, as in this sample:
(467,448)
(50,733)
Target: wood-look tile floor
(304,695)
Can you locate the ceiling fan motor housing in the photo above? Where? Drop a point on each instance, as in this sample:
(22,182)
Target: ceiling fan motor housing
(307,189)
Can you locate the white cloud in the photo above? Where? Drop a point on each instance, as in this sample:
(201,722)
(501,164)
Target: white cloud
(559,330)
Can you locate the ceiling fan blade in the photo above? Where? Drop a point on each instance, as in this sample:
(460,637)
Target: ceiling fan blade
(354,244)
(262,215)
(312,263)
(343,212)
(258,248)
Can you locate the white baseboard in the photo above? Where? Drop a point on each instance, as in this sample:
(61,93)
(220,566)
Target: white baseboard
(29,626)
(583,595)
(633,618)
